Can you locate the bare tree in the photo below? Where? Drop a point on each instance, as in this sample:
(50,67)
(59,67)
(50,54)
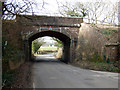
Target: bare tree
(74,10)
(91,10)
(98,11)
(114,13)
(119,13)
(11,8)
(102,12)
(95,9)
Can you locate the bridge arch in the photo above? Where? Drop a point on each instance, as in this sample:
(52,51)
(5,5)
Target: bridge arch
(64,38)
(64,28)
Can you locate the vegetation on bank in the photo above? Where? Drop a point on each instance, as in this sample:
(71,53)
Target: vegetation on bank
(8,78)
(58,43)
(38,49)
(36,44)
(9,53)
(100,65)
(48,49)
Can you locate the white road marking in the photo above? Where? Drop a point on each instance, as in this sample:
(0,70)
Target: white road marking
(33,85)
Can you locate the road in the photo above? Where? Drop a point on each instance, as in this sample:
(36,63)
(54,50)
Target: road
(51,73)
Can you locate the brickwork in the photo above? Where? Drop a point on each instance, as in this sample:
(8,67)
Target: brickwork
(50,21)
(65,25)
(11,32)
(92,44)
(64,28)
(81,41)
(112,52)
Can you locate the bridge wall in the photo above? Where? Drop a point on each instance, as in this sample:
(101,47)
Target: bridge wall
(49,21)
(13,54)
(63,26)
(93,45)
(17,33)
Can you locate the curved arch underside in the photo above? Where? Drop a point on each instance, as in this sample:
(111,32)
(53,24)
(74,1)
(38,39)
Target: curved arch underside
(55,34)
(65,39)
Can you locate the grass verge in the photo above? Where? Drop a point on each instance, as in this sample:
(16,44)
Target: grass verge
(99,66)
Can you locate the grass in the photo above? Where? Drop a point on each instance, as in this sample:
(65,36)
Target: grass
(47,48)
(108,32)
(8,78)
(99,66)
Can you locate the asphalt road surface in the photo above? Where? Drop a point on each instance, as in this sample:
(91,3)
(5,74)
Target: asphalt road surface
(49,72)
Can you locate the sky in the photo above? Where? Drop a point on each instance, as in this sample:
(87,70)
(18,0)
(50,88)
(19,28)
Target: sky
(48,39)
(51,6)
(51,9)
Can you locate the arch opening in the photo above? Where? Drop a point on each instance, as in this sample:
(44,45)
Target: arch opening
(47,49)
(62,37)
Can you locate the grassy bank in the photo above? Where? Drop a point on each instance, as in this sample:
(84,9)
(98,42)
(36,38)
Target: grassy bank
(99,66)
(48,48)
(18,78)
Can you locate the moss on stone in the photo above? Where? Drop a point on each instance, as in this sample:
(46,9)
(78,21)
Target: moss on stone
(96,58)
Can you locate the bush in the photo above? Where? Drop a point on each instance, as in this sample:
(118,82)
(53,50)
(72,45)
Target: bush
(100,66)
(36,45)
(8,78)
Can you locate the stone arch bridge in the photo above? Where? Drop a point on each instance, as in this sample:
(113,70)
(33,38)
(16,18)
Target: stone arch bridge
(65,29)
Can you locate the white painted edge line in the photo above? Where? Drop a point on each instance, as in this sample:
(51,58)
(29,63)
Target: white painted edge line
(33,86)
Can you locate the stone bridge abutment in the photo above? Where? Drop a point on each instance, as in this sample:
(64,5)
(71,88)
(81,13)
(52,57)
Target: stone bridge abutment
(64,28)
(81,41)
(65,39)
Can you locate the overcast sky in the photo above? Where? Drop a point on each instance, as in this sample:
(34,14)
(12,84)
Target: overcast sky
(51,6)
(48,39)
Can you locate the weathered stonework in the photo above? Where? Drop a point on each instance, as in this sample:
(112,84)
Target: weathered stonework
(92,44)
(64,28)
(80,41)
(11,33)
(112,52)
